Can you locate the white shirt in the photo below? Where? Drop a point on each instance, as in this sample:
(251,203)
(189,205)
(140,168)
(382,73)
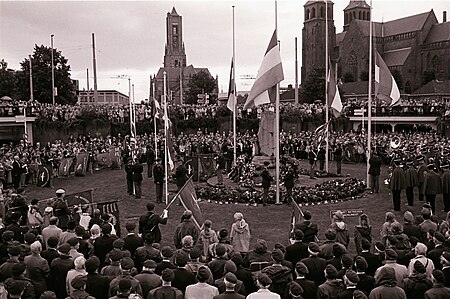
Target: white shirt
(263,294)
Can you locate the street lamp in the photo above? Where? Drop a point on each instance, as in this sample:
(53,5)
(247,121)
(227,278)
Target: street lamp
(53,72)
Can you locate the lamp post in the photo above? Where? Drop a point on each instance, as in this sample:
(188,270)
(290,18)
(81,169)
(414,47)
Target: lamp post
(53,72)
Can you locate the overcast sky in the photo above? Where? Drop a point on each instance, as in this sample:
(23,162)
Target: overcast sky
(130,35)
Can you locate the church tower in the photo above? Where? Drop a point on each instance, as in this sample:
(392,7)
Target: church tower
(175,55)
(313,36)
(356,10)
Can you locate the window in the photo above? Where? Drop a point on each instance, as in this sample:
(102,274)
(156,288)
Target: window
(175,29)
(322,12)
(313,12)
(307,14)
(353,64)
(360,15)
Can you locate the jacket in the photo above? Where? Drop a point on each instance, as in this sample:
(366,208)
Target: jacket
(432,183)
(446,182)
(138,169)
(375,166)
(342,234)
(412,178)
(330,289)
(280,276)
(186,227)
(266,178)
(240,236)
(387,286)
(398,180)
(416,285)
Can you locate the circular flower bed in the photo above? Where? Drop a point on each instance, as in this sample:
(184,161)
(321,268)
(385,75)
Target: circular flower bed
(319,173)
(338,189)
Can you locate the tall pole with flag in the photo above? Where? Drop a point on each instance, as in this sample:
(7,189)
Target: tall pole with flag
(277,121)
(369,99)
(154,119)
(165,138)
(234,94)
(327,116)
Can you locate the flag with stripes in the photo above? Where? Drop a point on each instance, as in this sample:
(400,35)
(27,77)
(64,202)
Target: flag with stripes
(188,198)
(296,217)
(156,109)
(269,75)
(169,141)
(231,104)
(111,208)
(334,98)
(386,88)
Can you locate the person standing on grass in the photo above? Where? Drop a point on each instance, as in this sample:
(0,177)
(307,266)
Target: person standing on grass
(289,183)
(220,168)
(338,158)
(397,183)
(432,186)
(138,169)
(412,181)
(342,234)
(240,234)
(150,157)
(374,172)
(158,174)
(362,231)
(421,175)
(312,158)
(446,186)
(266,179)
(129,176)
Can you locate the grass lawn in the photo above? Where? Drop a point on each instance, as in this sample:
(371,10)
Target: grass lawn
(270,223)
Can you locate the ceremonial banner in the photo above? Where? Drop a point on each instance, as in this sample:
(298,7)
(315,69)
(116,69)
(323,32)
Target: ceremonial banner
(188,199)
(295,217)
(385,86)
(206,164)
(43,176)
(80,198)
(111,208)
(231,104)
(334,98)
(64,167)
(81,165)
(104,160)
(191,165)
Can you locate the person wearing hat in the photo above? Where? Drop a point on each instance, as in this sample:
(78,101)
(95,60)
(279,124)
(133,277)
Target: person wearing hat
(183,277)
(387,286)
(18,278)
(132,241)
(375,163)
(412,181)
(186,227)
(362,231)
(48,295)
(445,262)
(127,265)
(421,171)
(97,285)
(266,179)
(129,176)
(201,290)
(308,228)
(315,264)
(166,290)
(166,263)
(145,252)
(298,250)
(149,223)
(69,233)
(400,271)
(264,282)
(158,174)
(308,286)
(124,289)
(439,248)
(351,280)
(243,274)
(338,224)
(181,175)
(417,283)
(59,268)
(61,210)
(332,286)
(397,183)
(147,278)
(279,274)
(6,268)
(104,244)
(138,169)
(432,186)
(446,186)
(74,247)
(439,289)
(366,282)
(409,227)
(326,248)
(78,284)
(113,269)
(52,230)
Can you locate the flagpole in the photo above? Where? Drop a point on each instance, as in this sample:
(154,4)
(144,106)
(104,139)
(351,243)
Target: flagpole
(166,150)
(154,120)
(234,95)
(327,116)
(369,99)
(277,122)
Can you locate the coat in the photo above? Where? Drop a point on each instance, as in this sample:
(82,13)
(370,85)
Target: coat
(316,267)
(158,174)
(438,291)
(58,272)
(187,227)
(398,180)
(432,183)
(240,236)
(330,289)
(289,179)
(181,176)
(266,178)
(375,166)
(149,224)
(97,285)
(412,178)
(342,234)
(387,286)
(420,173)
(446,182)
(38,271)
(165,292)
(416,285)
(138,169)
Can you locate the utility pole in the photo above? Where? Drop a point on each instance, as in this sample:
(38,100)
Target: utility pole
(31,80)
(53,71)
(94,62)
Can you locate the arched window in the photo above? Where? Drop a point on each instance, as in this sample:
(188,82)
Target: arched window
(346,19)
(353,65)
(313,12)
(322,12)
(307,14)
(360,15)
(350,17)
(436,63)
(354,15)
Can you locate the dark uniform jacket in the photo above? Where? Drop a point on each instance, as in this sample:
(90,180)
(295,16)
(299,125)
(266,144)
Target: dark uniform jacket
(137,172)
(289,179)
(398,181)
(266,178)
(181,176)
(148,224)
(412,178)
(446,182)
(158,173)
(97,285)
(129,171)
(132,242)
(432,183)
(375,166)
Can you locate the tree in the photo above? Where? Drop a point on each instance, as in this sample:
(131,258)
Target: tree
(314,87)
(200,83)
(8,80)
(42,77)
(428,76)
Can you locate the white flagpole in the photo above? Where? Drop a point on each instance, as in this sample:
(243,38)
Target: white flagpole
(154,120)
(234,95)
(369,98)
(327,116)
(277,123)
(166,150)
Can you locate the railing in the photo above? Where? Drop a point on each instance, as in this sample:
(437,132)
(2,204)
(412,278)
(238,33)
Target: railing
(400,111)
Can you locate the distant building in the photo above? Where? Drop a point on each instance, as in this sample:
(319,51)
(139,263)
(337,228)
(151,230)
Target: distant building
(104,97)
(178,73)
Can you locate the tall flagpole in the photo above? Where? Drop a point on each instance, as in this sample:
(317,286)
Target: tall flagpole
(166,150)
(369,99)
(327,116)
(234,95)
(154,119)
(277,122)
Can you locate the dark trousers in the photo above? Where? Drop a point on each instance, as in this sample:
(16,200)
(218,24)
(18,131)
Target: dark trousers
(446,197)
(431,198)
(374,183)
(311,171)
(16,181)
(265,196)
(321,165)
(220,176)
(149,170)
(338,167)
(396,199)
(420,191)
(410,195)
(159,193)
(130,186)
(138,189)
(288,194)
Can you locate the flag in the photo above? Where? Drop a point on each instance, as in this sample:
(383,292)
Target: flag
(111,208)
(231,104)
(334,98)
(43,176)
(296,216)
(64,167)
(156,109)
(81,164)
(168,129)
(79,198)
(321,134)
(269,75)
(385,87)
(188,199)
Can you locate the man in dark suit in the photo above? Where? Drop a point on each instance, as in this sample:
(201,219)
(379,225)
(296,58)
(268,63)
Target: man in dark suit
(220,168)
(129,172)
(308,286)
(149,223)
(138,169)
(104,244)
(298,250)
(373,261)
(366,282)
(397,183)
(181,175)
(315,264)
(446,186)
(183,277)
(374,172)
(421,174)
(435,253)
(15,172)
(289,183)
(166,253)
(97,285)
(432,186)
(445,262)
(150,155)
(338,158)
(132,241)
(158,174)
(266,179)
(51,253)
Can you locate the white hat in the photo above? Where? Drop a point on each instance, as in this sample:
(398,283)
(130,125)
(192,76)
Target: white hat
(48,210)
(60,191)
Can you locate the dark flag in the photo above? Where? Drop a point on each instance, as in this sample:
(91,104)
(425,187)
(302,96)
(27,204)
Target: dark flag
(79,198)
(188,197)
(111,208)
(191,165)
(81,165)
(64,167)
(43,176)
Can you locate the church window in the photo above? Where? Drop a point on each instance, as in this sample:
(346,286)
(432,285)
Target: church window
(322,12)
(313,12)
(360,15)
(307,14)
(350,17)
(354,15)
(346,19)
(175,29)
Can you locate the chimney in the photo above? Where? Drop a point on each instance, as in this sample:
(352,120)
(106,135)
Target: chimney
(444,16)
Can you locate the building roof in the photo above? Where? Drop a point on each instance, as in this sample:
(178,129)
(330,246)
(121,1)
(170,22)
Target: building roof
(355,88)
(340,37)
(356,3)
(364,27)
(438,33)
(315,1)
(434,86)
(396,57)
(175,72)
(174,12)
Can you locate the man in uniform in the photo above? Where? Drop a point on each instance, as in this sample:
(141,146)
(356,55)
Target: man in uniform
(446,186)
(411,181)
(61,210)
(150,160)
(158,175)
(338,158)
(289,183)
(397,183)
(266,179)
(420,173)
(181,175)
(138,169)
(220,168)
(148,223)
(432,185)
(129,172)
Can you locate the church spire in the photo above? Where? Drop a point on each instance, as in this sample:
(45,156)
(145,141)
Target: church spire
(174,11)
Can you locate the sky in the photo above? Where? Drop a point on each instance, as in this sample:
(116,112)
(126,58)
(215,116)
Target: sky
(130,35)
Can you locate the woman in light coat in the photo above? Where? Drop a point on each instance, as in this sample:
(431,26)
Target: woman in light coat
(240,234)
